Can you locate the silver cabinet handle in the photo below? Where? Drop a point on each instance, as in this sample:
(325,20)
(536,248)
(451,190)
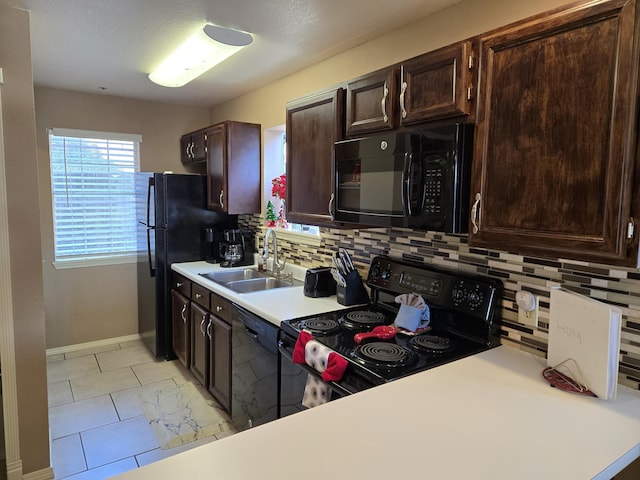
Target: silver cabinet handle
(474,213)
(384,102)
(204,319)
(218,308)
(179,284)
(221,198)
(209,329)
(402,109)
(198,295)
(331,207)
(183,313)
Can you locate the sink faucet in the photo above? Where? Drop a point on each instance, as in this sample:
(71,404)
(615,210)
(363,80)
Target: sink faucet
(277,267)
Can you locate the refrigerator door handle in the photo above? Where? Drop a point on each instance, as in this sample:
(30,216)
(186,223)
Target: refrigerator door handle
(150,186)
(152,269)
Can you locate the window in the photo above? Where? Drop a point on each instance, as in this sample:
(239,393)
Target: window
(274,167)
(93,188)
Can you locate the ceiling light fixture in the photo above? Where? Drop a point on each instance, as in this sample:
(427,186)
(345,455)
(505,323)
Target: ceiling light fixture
(206,48)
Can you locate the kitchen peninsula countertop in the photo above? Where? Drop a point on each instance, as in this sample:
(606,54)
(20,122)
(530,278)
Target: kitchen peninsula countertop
(488,416)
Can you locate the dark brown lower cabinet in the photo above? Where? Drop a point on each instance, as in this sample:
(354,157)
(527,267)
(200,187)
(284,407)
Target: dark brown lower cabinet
(199,343)
(210,347)
(220,360)
(181,320)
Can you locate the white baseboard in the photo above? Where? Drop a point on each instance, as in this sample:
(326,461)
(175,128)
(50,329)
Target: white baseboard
(88,345)
(44,474)
(14,470)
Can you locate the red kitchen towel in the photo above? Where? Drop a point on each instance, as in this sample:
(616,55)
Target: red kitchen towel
(298,350)
(336,365)
(331,366)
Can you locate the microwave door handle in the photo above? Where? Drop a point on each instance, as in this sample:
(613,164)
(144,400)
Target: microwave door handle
(406,184)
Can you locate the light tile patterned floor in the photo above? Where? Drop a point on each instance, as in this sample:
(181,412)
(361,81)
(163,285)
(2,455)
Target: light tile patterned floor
(97,425)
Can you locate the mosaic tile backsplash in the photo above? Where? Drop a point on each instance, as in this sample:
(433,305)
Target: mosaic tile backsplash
(614,285)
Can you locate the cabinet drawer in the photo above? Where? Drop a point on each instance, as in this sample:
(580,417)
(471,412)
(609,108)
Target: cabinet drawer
(200,295)
(221,307)
(182,285)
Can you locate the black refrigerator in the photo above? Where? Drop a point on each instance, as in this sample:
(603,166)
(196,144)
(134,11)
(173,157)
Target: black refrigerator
(171,218)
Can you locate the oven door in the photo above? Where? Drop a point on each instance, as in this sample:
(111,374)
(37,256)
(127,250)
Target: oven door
(292,379)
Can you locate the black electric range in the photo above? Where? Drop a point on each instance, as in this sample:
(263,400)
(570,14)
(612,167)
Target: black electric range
(464,317)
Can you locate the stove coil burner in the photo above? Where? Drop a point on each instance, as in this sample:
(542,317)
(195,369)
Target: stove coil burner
(430,343)
(323,326)
(384,355)
(363,320)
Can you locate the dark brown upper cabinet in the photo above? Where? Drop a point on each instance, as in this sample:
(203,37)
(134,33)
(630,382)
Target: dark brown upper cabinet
(233,167)
(193,147)
(556,137)
(432,86)
(314,123)
(372,102)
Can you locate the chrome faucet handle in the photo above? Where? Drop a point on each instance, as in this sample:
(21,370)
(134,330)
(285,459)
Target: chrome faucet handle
(278,266)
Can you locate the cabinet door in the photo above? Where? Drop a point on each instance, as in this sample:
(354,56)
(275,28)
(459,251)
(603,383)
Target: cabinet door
(314,124)
(181,284)
(371,102)
(199,146)
(219,334)
(216,171)
(193,147)
(554,157)
(438,84)
(199,343)
(233,167)
(185,149)
(181,320)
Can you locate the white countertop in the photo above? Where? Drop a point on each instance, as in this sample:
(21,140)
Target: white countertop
(489,416)
(273,305)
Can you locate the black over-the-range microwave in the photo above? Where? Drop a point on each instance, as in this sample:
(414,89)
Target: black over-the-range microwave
(418,179)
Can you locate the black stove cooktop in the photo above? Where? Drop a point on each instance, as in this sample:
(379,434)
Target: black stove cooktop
(376,360)
(464,318)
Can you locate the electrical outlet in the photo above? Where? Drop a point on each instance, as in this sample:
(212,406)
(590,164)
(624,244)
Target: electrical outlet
(529,317)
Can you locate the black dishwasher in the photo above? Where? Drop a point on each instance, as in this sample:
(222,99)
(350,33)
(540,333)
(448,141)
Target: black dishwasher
(254,372)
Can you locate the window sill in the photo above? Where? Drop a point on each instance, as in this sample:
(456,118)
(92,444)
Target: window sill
(296,237)
(94,262)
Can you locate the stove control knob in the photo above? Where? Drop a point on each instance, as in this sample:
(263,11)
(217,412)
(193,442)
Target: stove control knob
(386,274)
(475,299)
(458,295)
(375,270)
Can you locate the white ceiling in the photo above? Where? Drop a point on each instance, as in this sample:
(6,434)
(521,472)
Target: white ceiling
(109,46)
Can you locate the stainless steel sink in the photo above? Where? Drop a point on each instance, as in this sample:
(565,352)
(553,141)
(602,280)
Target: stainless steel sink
(233,275)
(248,280)
(257,284)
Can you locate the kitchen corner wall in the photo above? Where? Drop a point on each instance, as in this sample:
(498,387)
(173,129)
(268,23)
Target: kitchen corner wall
(96,303)
(614,285)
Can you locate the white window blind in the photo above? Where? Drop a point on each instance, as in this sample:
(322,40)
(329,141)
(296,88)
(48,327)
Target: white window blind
(92,182)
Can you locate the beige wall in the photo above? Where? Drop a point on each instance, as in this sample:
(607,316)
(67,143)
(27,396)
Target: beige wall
(266,105)
(95,303)
(24,239)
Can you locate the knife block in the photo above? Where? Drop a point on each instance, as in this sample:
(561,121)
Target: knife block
(353,293)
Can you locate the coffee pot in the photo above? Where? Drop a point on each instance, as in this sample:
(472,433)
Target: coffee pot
(232,248)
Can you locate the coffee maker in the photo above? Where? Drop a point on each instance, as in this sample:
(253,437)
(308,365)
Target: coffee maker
(233,249)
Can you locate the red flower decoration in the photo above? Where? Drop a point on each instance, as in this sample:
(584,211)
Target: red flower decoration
(279,187)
